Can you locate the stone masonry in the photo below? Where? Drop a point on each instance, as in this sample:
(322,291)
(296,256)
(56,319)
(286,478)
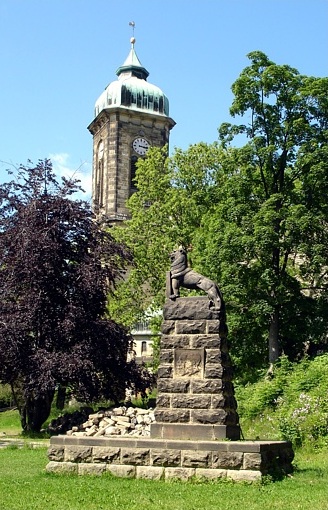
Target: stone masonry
(167,459)
(196,430)
(195,392)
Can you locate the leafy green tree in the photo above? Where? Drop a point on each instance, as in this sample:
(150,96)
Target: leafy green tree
(272,219)
(165,212)
(253,214)
(57,266)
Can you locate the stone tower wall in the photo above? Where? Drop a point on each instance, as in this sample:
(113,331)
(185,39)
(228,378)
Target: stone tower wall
(116,128)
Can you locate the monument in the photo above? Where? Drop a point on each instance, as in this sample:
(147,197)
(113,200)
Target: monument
(195,397)
(197,432)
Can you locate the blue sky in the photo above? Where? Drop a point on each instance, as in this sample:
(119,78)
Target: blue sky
(57,56)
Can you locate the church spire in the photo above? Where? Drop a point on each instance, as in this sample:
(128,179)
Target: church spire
(132,64)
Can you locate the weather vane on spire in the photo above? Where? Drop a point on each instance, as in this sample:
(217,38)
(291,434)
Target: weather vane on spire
(132,24)
(132,40)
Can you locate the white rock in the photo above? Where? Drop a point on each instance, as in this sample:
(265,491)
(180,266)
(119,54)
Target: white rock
(130,411)
(142,411)
(87,424)
(92,431)
(100,432)
(123,419)
(105,422)
(96,416)
(119,411)
(112,431)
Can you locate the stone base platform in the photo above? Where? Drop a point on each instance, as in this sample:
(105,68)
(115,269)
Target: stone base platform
(167,459)
(194,431)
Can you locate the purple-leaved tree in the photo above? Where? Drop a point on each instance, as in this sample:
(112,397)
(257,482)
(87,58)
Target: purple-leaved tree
(57,267)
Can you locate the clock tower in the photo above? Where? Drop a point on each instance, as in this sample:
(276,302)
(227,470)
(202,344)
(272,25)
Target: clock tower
(131,115)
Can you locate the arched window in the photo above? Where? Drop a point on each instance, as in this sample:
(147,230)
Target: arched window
(143,347)
(133,170)
(99,181)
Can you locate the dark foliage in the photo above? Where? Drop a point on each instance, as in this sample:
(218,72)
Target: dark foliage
(57,267)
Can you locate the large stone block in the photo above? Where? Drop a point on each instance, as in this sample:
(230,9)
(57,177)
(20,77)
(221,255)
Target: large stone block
(61,467)
(135,456)
(252,461)
(56,453)
(175,341)
(105,454)
(195,459)
(211,474)
(218,401)
(193,432)
(216,356)
(191,401)
(212,416)
(206,342)
(172,415)
(78,453)
(164,457)
(190,327)
(91,469)
(183,474)
(189,308)
(168,327)
(213,371)
(243,475)
(214,326)
(224,402)
(173,386)
(163,400)
(165,372)
(227,460)
(122,471)
(166,356)
(150,472)
(206,386)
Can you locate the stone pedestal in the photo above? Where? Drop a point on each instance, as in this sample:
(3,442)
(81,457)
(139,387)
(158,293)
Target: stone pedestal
(169,459)
(195,397)
(197,431)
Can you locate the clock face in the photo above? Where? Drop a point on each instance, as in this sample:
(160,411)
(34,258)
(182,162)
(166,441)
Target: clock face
(140,146)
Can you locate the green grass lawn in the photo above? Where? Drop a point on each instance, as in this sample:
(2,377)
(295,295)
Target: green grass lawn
(9,423)
(24,484)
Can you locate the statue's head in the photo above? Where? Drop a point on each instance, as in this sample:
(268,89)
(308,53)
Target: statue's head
(179,258)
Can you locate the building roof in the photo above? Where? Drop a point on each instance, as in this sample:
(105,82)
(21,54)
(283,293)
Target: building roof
(131,89)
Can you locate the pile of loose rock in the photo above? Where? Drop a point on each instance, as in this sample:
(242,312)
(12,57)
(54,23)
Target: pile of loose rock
(119,421)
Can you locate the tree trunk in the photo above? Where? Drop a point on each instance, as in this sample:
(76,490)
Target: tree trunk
(274,336)
(61,396)
(35,411)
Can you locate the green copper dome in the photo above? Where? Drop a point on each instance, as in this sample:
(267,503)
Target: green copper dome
(131,89)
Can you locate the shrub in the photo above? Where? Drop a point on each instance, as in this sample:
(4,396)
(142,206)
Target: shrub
(294,400)
(253,399)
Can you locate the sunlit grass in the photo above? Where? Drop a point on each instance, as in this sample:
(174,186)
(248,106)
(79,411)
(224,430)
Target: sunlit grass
(24,485)
(10,423)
